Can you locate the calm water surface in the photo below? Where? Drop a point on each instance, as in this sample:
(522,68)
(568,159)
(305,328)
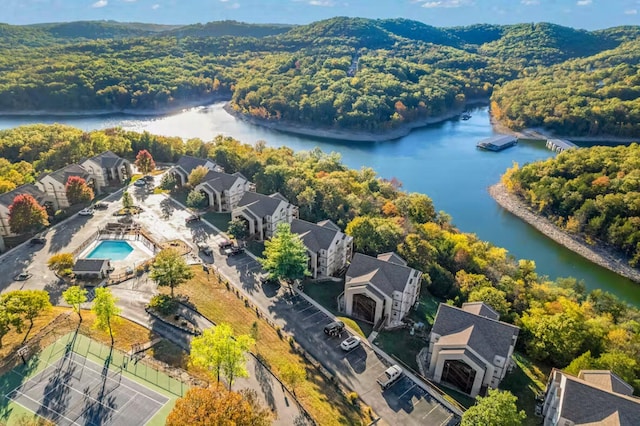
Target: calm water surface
(441,160)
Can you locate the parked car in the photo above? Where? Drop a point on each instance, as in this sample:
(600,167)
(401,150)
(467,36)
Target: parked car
(37,240)
(100,206)
(225,244)
(192,218)
(204,248)
(390,376)
(334,328)
(350,342)
(140,183)
(233,250)
(147,178)
(23,276)
(86,212)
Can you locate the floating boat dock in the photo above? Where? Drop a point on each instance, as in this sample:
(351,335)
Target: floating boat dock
(497,143)
(559,145)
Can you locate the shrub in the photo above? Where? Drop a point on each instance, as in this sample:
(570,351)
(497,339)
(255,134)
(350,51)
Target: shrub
(163,303)
(352,397)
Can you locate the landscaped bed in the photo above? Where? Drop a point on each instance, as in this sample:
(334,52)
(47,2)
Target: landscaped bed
(319,396)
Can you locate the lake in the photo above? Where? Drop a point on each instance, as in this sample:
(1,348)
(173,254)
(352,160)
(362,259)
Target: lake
(441,161)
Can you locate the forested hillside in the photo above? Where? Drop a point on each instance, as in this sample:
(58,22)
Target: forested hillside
(596,95)
(592,192)
(342,73)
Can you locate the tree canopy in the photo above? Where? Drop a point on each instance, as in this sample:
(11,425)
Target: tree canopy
(593,193)
(26,215)
(169,269)
(217,406)
(106,311)
(218,351)
(498,408)
(78,191)
(285,256)
(144,162)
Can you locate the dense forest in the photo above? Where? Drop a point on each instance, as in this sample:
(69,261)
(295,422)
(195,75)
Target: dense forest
(561,324)
(343,73)
(592,192)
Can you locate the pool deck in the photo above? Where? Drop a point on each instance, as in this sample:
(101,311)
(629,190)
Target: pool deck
(139,254)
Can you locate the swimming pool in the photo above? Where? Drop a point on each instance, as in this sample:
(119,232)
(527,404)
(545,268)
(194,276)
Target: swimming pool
(113,250)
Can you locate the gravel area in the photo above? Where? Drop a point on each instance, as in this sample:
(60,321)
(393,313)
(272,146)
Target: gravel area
(594,253)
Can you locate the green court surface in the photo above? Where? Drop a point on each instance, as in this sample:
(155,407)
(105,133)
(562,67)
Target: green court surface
(77,380)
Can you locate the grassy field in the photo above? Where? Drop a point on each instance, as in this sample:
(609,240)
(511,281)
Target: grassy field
(526,381)
(320,397)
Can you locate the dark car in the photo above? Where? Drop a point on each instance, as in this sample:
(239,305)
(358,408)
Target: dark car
(192,218)
(100,206)
(140,183)
(38,240)
(232,251)
(147,178)
(23,276)
(204,248)
(334,328)
(225,244)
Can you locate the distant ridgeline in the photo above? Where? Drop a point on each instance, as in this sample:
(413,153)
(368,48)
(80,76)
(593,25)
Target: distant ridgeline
(341,73)
(594,193)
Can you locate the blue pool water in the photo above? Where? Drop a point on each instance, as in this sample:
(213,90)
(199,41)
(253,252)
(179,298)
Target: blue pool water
(114,250)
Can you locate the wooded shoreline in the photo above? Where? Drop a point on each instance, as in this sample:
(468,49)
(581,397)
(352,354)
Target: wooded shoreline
(594,253)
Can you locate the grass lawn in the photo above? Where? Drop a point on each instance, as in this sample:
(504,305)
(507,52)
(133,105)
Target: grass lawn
(256,248)
(526,381)
(219,220)
(320,397)
(426,309)
(326,294)
(402,345)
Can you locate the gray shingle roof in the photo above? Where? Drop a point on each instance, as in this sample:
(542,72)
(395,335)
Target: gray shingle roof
(7,198)
(393,258)
(605,379)
(220,181)
(260,205)
(62,175)
(386,276)
(486,336)
(188,163)
(108,160)
(481,309)
(90,265)
(585,403)
(314,237)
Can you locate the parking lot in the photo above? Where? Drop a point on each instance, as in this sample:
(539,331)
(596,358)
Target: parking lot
(404,402)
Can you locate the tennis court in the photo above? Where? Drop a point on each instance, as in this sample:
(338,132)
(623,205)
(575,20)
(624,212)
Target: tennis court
(81,382)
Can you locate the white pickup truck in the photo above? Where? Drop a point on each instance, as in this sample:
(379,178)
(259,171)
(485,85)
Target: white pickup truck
(390,376)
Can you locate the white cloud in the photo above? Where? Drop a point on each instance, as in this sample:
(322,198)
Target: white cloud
(530,2)
(155,6)
(583,2)
(631,12)
(445,3)
(100,3)
(323,3)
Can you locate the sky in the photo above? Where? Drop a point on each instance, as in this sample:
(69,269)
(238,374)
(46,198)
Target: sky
(587,14)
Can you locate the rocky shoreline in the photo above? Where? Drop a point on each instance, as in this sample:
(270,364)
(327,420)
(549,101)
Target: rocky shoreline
(593,253)
(350,135)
